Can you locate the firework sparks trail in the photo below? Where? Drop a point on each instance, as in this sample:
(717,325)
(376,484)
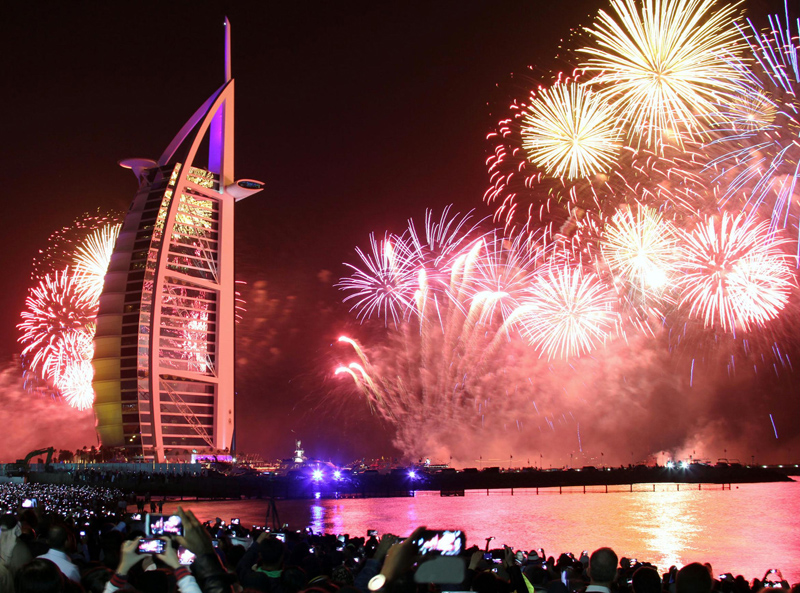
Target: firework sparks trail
(92,257)
(758,155)
(662,65)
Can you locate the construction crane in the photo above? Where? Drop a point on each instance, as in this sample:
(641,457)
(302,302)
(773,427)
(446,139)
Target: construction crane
(22,466)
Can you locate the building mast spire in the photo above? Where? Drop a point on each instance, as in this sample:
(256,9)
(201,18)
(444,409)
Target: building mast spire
(228,75)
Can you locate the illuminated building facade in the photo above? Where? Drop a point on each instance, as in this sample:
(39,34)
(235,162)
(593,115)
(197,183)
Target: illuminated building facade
(164,347)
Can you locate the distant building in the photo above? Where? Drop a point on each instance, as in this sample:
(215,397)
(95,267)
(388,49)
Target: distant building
(164,347)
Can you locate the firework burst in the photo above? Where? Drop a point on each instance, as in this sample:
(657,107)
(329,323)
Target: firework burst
(569,132)
(74,381)
(569,312)
(57,311)
(383,285)
(639,193)
(505,270)
(399,269)
(663,65)
(640,249)
(734,273)
(58,323)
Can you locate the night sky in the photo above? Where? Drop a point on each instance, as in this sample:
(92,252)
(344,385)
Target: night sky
(357,115)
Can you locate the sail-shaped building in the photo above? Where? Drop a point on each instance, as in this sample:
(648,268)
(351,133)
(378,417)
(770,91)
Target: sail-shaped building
(164,346)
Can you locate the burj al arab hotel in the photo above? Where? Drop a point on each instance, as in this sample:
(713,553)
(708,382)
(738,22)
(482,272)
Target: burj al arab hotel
(164,347)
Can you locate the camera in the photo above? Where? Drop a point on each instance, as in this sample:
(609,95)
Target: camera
(151,546)
(163,525)
(443,542)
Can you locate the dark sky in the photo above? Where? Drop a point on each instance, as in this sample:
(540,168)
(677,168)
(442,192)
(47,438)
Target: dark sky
(358,115)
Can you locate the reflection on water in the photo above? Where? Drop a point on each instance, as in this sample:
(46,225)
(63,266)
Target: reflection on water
(746,530)
(666,526)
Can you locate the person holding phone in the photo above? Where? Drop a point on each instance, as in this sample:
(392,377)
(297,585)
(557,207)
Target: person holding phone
(261,566)
(209,574)
(130,556)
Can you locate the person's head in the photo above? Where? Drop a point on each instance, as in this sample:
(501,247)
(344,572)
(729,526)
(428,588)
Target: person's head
(8,521)
(57,537)
(486,582)
(536,575)
(272,550)
(39,576)
(341,575)
(293,579)
(94,579)
(646,580)
(603,566)
(693,578)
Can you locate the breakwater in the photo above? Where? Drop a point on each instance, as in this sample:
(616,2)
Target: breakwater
(211,485)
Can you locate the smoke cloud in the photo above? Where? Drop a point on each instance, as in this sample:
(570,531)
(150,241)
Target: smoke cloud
(629,402)
(30,421)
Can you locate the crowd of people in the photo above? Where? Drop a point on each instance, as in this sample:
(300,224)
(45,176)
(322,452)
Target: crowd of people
(82,539)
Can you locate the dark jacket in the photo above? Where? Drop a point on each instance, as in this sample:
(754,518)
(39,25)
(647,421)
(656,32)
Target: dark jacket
(211,576)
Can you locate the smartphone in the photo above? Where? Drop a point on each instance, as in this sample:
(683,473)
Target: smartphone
(185,557)
(151,546)
(83,534)
(372,532)
(444,542)
(215,543)
(280,536)
(235,522)
(163,525)
(136,517)
(29,503)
